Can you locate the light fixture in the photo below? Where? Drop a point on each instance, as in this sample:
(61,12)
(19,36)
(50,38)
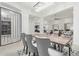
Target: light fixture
(41,5)
(36,4)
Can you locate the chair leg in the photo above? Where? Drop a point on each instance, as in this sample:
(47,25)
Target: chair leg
(34,54)
(61,48)
(26,50)
(29,53)
(69,50)
(58,47)
(37,53)
(54,46)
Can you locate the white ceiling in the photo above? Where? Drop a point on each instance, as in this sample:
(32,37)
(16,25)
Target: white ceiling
(43,12)
(27,4)
(37,7)
(40,8)
(63,14)
(42,5)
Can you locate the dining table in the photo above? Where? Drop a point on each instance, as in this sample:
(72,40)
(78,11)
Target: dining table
(54,38)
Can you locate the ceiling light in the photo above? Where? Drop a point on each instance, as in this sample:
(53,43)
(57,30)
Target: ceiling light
(41,5)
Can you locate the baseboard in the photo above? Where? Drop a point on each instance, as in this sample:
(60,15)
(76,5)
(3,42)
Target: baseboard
(10,43)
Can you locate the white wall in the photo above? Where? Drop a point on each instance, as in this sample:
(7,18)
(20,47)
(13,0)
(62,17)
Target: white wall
(34,20)
(76,24)
(25,21)
(63,21)
(51,21)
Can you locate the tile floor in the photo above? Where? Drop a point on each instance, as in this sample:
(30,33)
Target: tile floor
(11,50)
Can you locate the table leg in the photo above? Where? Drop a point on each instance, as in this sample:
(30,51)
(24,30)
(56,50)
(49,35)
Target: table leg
(58,47)
(69,51)
(54,46)
(61,48)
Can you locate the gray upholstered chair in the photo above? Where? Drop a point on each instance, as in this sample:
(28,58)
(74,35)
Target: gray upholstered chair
(31,48)
(43,46)
(24,43)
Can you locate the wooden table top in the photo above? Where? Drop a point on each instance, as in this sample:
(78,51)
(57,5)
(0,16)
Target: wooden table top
(60,39)
(54,38)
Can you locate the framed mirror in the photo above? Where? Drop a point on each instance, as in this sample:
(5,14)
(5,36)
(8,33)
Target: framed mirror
(56,27)
(67,26)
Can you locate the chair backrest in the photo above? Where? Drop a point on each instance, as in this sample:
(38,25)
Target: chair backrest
(31,48)
(23,39)
(42,46)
